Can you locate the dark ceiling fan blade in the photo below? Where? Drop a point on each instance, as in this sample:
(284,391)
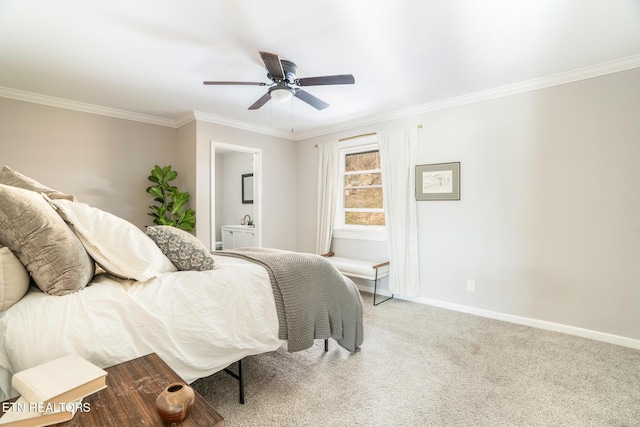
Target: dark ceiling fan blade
(260,102)
(310,99)
(341,79)
(235,83)
(273,64)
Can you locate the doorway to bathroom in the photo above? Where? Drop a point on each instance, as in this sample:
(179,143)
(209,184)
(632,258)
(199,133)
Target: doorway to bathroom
(230,166)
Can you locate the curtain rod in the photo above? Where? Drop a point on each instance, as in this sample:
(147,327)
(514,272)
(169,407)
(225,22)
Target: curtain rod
(362,135)
(357,136)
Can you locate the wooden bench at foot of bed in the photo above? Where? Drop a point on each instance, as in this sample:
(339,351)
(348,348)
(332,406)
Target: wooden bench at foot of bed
(369,270)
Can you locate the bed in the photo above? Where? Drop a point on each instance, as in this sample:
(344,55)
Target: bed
(76,279)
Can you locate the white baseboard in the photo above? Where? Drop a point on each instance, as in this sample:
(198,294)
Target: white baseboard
(541,324)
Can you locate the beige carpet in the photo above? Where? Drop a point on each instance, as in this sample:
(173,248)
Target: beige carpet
(426,366)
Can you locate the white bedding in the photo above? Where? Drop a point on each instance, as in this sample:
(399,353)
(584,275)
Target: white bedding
(198,322)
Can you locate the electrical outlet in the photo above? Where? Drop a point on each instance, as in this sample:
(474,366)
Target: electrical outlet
(471,285)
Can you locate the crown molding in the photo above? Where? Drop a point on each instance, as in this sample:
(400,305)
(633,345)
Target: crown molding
(598,70)
(212,118)
(186,118)
(609,67)
(51,101)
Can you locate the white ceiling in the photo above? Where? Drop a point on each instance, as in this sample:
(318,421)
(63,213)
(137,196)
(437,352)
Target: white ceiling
(151,56)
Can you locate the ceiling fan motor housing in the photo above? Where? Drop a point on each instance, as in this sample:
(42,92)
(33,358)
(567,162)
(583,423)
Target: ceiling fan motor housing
(289,69)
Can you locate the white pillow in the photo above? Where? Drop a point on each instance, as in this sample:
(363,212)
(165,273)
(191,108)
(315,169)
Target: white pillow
(118,246)
(14,279)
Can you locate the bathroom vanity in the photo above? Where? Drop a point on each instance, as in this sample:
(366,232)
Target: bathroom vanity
(236,236)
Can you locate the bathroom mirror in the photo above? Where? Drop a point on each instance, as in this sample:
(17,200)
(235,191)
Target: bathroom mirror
(247,188)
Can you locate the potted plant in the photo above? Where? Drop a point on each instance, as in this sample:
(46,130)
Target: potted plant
(171,210)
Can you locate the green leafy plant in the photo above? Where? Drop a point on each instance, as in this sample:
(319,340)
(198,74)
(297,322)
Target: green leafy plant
(171,210)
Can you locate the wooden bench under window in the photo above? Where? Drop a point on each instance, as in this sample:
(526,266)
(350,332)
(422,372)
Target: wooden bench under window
(361,269)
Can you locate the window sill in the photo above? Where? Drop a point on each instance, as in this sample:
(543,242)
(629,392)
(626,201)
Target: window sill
(377,234)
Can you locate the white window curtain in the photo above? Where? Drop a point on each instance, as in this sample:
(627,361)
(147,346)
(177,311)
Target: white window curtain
(328,173)
(398,157)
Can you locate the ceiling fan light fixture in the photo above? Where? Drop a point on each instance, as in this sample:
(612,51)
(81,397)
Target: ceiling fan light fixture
(281,94)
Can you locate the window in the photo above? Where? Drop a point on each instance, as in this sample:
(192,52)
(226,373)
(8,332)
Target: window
(360,195)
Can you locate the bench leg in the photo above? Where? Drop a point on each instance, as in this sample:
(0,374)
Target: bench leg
(375,287)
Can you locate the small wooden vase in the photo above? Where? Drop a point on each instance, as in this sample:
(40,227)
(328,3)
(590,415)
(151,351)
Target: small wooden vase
(175,402)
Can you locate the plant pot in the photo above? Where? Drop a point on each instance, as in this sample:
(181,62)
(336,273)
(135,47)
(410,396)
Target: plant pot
(175,402)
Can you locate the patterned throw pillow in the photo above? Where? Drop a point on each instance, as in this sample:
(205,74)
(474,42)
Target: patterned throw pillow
(183,249)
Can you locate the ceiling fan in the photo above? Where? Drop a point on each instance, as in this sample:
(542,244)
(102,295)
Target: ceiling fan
(282,88)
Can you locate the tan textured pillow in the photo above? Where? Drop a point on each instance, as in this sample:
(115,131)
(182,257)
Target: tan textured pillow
(44,244)
(14,279)
(16,179)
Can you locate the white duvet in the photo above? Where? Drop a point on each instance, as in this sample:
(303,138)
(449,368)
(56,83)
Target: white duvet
(197,322)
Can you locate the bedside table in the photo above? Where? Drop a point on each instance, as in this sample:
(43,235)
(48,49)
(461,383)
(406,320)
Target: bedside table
(130,398)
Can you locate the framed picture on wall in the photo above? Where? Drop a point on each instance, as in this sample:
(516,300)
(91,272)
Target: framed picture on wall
(438,181)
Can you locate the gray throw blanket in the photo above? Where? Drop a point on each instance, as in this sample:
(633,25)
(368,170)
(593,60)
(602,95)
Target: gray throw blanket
(313,299)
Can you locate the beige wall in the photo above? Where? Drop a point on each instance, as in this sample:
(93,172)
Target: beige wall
(549,221)
(185,162)
(548,225)
(103,161)
(278,182)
